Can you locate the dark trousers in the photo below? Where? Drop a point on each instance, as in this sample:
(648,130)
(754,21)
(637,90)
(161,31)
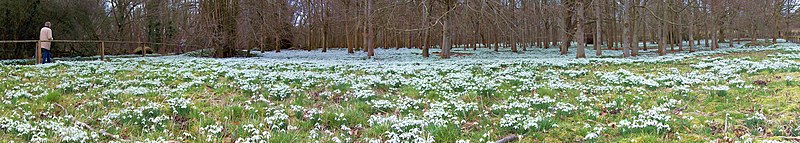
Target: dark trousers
(46,56)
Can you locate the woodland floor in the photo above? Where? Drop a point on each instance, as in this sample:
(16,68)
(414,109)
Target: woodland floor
(731,94)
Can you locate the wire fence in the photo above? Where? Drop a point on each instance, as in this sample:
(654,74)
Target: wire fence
(101,50)
(794,38)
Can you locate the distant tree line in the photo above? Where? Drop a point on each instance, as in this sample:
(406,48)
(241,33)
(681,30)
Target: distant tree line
(363,25)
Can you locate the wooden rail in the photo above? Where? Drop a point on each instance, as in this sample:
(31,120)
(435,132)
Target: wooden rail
(102,45)
(794,39)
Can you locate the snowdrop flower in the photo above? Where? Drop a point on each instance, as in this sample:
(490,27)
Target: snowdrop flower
(179,103)
(212,129)
(590,136)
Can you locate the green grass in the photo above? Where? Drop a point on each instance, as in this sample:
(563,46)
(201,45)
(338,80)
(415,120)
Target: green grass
(698,116)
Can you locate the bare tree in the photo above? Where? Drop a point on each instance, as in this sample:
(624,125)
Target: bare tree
(598,31)
(579,31)
(231,25)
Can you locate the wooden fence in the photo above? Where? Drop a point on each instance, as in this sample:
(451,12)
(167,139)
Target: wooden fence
(101,50)
(794,39)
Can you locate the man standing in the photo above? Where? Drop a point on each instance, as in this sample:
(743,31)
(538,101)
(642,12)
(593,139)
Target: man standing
(46,35)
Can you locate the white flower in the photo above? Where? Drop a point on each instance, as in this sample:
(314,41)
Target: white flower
(178,103)
(520,121)
(590,136)
(717,88)
(211,131)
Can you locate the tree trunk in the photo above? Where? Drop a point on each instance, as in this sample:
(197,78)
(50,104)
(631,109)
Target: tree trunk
(714,38)
(714,26)
(626,41)
(731,37)
(739,37)
(566,21)
(579,33)
(227,11)
(445,53)
(551,34)
(598,31)
(707,37)
(776,17)
(324,33)
(691,37)
(662,44)
(662,49)
(277,45)
(474,41)
(645,31)
(427,37)
(350,49)
(370,34)
(425,45)
(634,31)
(513,41)
(679,37)
(496,42)
(691,31)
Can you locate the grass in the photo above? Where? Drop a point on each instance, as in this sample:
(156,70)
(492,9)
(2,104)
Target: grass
(319,108)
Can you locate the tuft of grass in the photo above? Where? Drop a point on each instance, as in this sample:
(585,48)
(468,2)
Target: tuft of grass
(347,117)
(53,96)
(445,133)
(288,137)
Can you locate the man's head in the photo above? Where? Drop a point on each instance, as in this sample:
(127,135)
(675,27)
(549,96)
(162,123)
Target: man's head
(47,24)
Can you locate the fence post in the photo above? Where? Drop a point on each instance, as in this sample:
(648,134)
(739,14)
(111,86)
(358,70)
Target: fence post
(102,51)
(38,53)
(143,49)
